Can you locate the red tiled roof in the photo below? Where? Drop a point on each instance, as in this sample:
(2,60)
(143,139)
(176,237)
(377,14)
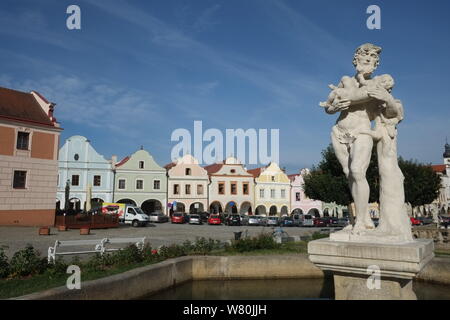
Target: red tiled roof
(213,168)
(170,165)
(255,172)
(292,176)
(439,168)
(22,106)
(123,161)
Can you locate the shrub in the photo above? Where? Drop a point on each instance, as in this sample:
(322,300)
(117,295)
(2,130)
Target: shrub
(172,251)
(129,255)
(317,235)
(261,241)
(26,262)
(4,265)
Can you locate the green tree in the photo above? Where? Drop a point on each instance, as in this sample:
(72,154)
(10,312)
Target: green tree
(327,181)
(422,184)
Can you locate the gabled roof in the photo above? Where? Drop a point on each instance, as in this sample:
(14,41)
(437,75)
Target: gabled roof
(292,176)
(255,172)
(213,168)
(170,165)
(122,162)
(22,106)
(438,168)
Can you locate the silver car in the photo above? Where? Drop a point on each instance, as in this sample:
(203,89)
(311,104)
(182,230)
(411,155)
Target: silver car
(158,217)
(308,221)
(273,221)
(253,221)
(195,219)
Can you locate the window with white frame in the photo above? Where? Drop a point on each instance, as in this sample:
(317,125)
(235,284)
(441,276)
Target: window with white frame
(272,193)
(139,184)
(261,193)
(122,184)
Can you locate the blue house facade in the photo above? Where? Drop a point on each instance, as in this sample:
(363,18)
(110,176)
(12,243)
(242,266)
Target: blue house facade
(81,166)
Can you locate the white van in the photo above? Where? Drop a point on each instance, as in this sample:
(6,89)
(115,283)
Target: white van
(128,213)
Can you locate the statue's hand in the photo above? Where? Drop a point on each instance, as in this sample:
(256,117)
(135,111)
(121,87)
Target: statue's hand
(342,104)
(379,93)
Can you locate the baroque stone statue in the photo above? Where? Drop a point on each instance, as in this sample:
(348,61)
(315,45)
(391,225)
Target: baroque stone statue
(361,100)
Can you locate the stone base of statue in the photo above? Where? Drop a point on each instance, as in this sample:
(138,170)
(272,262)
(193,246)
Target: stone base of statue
(372,271)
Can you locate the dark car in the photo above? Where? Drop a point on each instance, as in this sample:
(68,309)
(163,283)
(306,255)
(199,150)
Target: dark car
(342,222)
(204,216)
(333,222)
(425,220)
(233,220)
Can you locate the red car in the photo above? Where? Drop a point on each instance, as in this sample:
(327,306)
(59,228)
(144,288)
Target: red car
(318,222)
(177,218)
(214,219)
(415,222)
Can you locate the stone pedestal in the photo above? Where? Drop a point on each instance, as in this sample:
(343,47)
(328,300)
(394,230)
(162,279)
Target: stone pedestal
(372,271)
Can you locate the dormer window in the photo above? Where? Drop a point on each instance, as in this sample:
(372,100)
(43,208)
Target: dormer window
(188,171)
(141,164)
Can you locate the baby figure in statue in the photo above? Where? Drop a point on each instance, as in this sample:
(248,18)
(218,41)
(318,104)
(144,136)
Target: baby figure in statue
(348,91)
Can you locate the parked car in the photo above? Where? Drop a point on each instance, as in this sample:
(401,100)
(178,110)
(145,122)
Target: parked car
(195,219)
(308,221)
(262,220)
(204,216)
(244,220)
(415,222)
(178,217)
(444,221)
(425,220)
(273,221)
(233,220)
(253,221)
(158,217)
(287,222)
(342,222)
(298,221)
(320,222)
(214,219)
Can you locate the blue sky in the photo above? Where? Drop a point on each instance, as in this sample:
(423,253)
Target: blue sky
(137,70)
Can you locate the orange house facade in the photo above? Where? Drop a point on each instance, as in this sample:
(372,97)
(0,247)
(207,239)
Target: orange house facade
(29,139)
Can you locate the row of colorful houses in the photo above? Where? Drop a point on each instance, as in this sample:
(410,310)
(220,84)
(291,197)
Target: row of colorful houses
(34,172)
(181,186)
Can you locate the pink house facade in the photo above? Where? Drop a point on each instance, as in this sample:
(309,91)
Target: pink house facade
(187,186)
(300,203)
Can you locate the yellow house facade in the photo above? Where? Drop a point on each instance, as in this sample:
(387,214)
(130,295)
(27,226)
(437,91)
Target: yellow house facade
(272,191)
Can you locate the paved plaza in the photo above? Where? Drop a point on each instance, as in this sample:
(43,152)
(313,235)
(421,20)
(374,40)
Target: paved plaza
(16,238)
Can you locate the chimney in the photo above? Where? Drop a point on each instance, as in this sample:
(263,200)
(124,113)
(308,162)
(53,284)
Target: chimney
(114,161)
